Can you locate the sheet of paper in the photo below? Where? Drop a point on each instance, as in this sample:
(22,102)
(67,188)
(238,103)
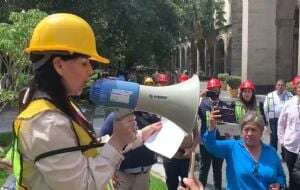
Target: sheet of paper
(233,129)
(168,140)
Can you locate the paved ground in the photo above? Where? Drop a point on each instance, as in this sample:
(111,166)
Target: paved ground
(7,117)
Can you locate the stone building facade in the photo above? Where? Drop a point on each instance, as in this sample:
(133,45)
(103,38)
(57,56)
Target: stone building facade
(262,43)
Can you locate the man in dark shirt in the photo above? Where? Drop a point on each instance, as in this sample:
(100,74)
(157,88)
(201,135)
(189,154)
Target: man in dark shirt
(206,159)
(134,171)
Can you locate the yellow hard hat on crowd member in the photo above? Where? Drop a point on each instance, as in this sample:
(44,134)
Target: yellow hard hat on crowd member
(67,33)
(148,81)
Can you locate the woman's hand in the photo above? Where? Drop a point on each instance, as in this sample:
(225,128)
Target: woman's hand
(214,116)
(274,186)
(150,130)
(191,184)
(115,180)
(124,132)
(203,93)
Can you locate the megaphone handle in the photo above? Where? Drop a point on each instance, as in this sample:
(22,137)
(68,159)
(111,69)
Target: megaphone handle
(122,112)
(192,165)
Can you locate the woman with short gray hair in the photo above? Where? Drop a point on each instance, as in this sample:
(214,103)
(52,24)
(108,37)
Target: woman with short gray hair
(251,164)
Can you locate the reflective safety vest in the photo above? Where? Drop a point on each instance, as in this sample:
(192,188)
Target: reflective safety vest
(34,108)
(240,111)
(207,117)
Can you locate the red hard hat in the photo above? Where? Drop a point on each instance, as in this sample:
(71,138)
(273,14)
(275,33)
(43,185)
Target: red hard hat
(247,84)
(183,77)
(212,83)
(295,80)
(163,78)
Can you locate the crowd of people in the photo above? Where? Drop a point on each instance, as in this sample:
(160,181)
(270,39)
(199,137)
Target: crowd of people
(55,147)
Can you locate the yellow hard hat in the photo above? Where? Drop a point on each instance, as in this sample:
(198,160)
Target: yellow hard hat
(149,81)
(65,32)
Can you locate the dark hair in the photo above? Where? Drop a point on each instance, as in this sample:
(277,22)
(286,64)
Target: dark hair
(47,80)
(250,105)
(281,80)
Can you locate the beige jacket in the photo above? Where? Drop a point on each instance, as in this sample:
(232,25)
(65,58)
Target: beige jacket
(51,130)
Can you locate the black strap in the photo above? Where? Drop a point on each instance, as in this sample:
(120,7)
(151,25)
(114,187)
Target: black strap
(82,148)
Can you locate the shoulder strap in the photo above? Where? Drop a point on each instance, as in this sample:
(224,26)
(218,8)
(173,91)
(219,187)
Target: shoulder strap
(82,148)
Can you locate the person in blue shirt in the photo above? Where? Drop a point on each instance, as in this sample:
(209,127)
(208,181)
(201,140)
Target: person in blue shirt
(205,158)
(251,164)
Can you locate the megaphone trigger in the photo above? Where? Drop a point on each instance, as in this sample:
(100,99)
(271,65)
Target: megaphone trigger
(121,113)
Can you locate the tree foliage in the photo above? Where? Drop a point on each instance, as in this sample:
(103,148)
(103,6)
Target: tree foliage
(127,31)
(210,16)
(13,40)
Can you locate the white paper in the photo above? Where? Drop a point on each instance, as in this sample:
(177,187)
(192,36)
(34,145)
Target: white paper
(232,129)
(168,140)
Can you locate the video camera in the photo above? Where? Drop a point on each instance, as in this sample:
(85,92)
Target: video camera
(226,111)
(212,94)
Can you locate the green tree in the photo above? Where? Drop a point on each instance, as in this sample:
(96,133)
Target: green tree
(127,31)
(14,38)
(141,32)
(212,20)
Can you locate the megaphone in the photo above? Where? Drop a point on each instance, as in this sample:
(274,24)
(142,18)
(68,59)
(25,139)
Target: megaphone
(178,103)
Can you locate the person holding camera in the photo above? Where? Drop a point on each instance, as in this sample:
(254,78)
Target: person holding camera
(251,164)
(207,159)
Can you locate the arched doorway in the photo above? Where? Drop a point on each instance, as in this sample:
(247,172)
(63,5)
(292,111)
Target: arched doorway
(183,58)
(228,57)
(189,60)
(201,48)
(177,60)
(194,57)
(219,57)
(287,19)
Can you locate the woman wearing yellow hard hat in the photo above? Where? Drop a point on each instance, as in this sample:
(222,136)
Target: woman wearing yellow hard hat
(55,147)
(148,81)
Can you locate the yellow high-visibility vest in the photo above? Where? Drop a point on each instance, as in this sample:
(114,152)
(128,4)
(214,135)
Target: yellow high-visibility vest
(36,107)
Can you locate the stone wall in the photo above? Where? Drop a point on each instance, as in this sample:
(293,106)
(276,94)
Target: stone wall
(259,41)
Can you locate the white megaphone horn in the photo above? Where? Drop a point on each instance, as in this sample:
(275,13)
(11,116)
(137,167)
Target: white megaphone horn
(178,103)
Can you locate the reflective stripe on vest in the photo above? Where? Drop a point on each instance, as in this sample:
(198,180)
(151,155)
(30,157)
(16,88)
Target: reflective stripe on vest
(207,116)
(239,111)
(34,108)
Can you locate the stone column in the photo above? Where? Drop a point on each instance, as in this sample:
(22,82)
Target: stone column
(198,61)
(214,64)
(225,54)
(206,62)
(236,40)
(185,56)
(298,46)
(180,58)
(259,41)
(284,53)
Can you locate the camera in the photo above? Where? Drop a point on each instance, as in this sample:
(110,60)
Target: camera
(212,94)
(227,115)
